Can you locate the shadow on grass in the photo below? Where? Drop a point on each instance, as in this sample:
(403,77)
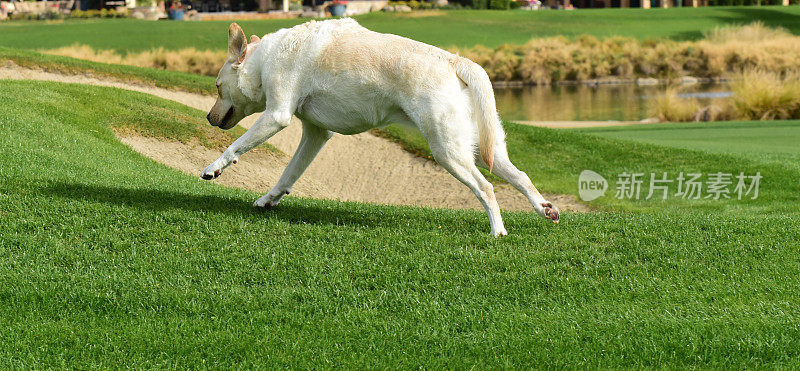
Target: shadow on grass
(770,17)
(687,36)
(292,210)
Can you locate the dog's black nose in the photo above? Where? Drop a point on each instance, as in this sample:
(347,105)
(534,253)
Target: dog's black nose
(208,117)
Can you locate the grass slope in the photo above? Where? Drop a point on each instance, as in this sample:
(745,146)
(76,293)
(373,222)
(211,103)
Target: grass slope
(163,79)
(110,259)
(463,28)
(555,158)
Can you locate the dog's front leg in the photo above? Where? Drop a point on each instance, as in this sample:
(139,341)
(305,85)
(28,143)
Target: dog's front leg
(312,141)
(265,127)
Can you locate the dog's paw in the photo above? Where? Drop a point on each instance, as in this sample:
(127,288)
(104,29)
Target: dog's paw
(268,201)
(551,212)
(210,173)
(216,168)
(500,233)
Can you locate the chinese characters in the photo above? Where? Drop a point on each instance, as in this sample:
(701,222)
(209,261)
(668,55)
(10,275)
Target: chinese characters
(691,186)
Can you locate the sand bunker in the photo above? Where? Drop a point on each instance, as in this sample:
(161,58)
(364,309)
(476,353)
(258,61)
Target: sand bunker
(362,167)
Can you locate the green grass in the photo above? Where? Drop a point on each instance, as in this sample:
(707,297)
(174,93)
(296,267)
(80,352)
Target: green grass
(112,260)
(759,140)
(555,158)
(451,28)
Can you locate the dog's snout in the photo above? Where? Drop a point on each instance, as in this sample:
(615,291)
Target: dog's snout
(208,117)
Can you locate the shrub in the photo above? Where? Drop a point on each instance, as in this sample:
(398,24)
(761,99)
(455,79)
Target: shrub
(757,95)
(190,60)
(450,6)
(670,107)
(103,13)
(23,17)
(500,4)
(51,15)
(764,95)
(474,4)
(722,51)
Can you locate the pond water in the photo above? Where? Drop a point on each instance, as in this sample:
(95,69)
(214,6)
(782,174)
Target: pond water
(585,103)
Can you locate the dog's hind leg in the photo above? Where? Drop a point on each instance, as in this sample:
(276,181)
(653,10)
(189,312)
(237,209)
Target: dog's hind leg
(517,178)
(312,141)
(462,167)
(265,127)
(457,158)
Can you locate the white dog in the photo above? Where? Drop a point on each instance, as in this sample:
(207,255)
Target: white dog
(337,76)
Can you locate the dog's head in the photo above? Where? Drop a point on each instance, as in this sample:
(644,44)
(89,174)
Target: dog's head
(232,105)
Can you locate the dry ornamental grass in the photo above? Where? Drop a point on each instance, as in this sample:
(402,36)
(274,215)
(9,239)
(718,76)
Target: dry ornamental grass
(550,60)
(757,94)
(763,95)
(202,62)
(722,51)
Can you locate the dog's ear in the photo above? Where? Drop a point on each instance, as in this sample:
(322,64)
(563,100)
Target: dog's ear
(254,39)
(237,44)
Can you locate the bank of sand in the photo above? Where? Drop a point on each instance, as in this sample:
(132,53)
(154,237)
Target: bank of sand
(362,167)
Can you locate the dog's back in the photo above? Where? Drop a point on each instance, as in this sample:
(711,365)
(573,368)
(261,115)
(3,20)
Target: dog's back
(343,47)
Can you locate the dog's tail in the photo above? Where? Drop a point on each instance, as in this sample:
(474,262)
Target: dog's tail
(484,106)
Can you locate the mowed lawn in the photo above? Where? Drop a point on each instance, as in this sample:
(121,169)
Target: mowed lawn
(112,260)
(555,158)
(766,140)
(459,28)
